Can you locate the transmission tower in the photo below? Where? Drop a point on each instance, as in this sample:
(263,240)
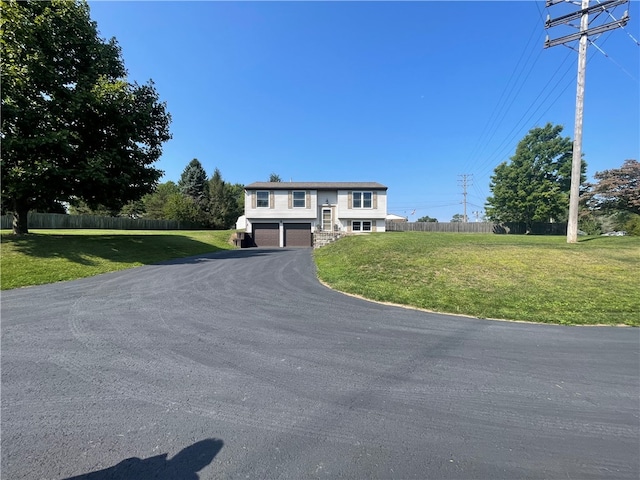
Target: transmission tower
(582,35)
(465,182)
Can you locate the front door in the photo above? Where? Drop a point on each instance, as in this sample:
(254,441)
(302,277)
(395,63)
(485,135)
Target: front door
(326,220)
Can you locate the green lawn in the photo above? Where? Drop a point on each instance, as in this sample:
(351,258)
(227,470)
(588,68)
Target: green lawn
(47,256)
(531,278)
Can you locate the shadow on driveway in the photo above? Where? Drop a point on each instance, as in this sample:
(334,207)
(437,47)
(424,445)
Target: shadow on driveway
(184,466)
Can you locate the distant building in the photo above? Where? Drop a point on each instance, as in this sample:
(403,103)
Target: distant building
(392,217)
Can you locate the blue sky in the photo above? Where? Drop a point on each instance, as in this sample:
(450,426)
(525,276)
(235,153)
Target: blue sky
(409,94)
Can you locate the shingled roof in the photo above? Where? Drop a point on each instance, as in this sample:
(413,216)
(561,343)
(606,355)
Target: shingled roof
(315,186)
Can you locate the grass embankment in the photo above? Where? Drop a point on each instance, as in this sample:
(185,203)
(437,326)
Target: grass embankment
(47,256)
(531,278)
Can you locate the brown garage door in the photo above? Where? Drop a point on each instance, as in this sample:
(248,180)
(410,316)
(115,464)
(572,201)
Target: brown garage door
(266,234)
(297,234)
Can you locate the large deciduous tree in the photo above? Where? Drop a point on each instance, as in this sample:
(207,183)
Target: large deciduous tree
(534,186)
(617,189)
(72,126)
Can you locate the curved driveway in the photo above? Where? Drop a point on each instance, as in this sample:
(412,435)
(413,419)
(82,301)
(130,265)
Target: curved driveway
(241,365)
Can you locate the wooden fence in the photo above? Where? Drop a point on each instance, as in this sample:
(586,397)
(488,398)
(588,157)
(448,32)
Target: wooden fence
(477,227)
(62,221)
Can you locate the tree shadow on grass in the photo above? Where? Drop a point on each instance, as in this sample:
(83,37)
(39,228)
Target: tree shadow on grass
(89,249)
(183,466)
(601,238)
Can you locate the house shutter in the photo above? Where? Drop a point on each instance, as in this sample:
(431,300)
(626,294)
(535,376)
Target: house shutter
(290,200)
(375,199)
(253,200)
(374,224)
(349,203)
(272,200)
(349,223)
(307,201)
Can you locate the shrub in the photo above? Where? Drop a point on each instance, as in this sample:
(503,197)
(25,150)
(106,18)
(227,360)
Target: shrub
(632,225)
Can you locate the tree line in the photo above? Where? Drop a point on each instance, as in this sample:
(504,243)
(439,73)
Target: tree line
(202,201)
(533,186)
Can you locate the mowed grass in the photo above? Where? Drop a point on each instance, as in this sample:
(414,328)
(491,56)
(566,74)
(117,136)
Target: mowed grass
(529,278)
(47,256)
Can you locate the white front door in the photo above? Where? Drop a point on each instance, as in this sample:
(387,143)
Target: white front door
(326,220)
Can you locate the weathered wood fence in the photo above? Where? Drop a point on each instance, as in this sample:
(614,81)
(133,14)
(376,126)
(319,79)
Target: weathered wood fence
(62,221)
(478,227)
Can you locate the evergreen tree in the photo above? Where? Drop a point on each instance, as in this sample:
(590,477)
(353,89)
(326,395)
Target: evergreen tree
(193,182)
(221,202)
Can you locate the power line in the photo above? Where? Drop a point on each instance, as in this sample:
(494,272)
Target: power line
(487,164)
(490,127)
(519,124)
(613,61)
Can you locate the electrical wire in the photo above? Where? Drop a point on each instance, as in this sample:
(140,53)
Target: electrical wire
(571,82)
(613,61)
(490,127)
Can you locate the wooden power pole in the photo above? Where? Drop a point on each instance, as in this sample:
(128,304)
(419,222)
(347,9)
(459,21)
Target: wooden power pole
(582,35)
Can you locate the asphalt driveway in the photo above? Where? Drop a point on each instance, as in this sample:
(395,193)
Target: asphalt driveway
(241,365)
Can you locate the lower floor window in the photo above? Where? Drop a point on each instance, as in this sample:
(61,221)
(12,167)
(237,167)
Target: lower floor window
(361,226)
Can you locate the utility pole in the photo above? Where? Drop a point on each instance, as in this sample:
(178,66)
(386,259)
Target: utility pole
(582,36)
(464,182)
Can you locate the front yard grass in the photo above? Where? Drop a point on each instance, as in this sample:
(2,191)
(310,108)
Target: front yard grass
(529,278)
(47,256)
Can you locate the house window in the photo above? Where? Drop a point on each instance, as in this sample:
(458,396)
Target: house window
(299,199)
(361,226)
(262,199)
(362,199)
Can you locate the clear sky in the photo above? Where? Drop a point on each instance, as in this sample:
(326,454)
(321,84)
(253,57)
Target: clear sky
(409,94)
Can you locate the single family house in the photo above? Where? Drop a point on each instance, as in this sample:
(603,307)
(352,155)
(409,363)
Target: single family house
(288,214)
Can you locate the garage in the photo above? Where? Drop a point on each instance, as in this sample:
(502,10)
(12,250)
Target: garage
(266,234)
(297,234)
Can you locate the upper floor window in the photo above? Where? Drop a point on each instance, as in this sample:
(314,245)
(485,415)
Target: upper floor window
(362,199)
(262,199)
(299,199)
